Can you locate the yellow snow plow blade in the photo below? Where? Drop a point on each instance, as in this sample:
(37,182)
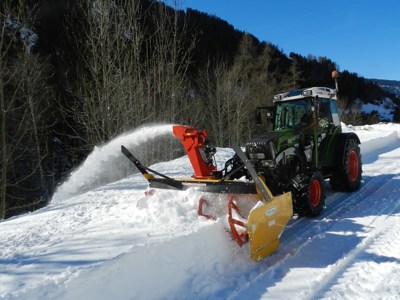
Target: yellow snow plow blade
(268,217)
(265,224)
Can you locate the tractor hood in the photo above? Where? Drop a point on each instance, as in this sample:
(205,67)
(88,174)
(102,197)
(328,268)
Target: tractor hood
(264,146)
(267,145)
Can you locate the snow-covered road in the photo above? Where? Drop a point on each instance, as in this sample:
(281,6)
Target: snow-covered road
(113,242)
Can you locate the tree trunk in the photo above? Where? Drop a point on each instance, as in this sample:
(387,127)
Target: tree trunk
(4,161)
(3,130)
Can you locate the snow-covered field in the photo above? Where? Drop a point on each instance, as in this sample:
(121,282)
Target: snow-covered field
(113,242)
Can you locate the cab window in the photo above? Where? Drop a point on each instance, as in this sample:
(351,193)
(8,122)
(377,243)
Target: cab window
(290,114)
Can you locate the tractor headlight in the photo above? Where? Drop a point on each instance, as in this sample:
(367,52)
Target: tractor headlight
(257,155)
(268,163)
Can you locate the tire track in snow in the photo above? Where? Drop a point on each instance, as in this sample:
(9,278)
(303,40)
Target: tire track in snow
(337,204)
(337,201)
(385,220)
(369,256)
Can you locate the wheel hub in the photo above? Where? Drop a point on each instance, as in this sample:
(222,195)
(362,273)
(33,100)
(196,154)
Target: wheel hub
(315,192)
(353,165)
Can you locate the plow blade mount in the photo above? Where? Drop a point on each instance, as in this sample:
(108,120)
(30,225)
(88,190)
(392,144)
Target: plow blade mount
(268,217)
(265,224)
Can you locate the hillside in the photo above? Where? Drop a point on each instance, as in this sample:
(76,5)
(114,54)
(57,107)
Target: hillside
(114,242)
(391,86)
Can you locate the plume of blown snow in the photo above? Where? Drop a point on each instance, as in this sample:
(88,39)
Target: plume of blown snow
(106,160)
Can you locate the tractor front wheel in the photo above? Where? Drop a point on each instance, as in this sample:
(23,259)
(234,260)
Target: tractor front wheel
(308,194)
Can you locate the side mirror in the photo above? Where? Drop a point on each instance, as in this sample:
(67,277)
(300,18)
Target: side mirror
(258,118)
(264,115)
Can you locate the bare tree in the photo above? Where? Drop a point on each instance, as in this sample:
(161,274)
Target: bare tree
(214,102)
(4,149)
(23,103)
(108,83)
(167,63)
(241,84)
(349,112)
(294,76)
(131,67)
(266,83)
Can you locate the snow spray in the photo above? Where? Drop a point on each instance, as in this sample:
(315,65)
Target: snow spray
(103,160)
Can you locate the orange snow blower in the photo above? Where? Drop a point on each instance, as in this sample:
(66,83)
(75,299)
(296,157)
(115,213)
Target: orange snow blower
(254,214)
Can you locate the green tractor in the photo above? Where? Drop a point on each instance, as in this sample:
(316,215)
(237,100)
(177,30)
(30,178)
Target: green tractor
(305,146)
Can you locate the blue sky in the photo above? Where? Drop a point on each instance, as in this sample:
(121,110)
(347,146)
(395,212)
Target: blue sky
(361,36)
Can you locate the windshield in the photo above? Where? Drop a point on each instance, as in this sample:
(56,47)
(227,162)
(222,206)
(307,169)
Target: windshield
(292,114)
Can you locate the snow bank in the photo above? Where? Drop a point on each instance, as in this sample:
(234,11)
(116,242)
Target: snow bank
(160,271)
(374,137)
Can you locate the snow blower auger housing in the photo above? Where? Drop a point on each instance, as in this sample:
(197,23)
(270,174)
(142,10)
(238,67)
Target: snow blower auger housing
(268,215)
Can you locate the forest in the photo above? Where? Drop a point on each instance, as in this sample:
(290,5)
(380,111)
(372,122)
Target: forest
(75,74)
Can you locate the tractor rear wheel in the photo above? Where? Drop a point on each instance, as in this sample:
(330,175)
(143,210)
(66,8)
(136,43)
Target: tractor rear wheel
(346,176)
(308,194)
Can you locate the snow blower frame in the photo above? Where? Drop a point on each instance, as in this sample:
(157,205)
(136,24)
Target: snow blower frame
(265,221)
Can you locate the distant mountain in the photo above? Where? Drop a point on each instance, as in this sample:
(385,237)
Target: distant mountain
(391,86)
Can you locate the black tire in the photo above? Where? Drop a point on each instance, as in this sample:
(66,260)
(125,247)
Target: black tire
(346,177)
(308,194)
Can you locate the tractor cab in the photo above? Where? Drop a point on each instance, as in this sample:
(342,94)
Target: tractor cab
(313,115)
(302,121)
(299,109)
